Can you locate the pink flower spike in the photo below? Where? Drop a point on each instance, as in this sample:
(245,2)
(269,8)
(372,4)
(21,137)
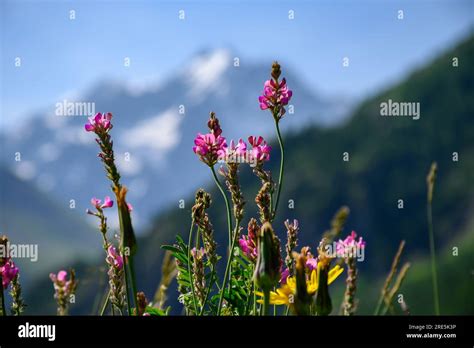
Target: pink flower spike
(209,147)
(89,127)
(108,203)
(100,122)
(114,258)
(260,149)
(348,246)
(241,148)
(130,207)
(244,245)
(95,202)
(62,276)
(8,272)
(274,97)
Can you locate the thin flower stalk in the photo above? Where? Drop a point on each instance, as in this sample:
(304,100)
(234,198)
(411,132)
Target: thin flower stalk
(292,229)
(275,97)
(398,283)
(101,125)
(209,148)
(190,269)
(202,221)
(168,273)
(116,278)
(18,305)
(388,280)
(230,173)
(348,249)
(430,180)
(199,275)
(64,288)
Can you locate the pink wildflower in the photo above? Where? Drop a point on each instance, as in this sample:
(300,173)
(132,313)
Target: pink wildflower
(100,122)
(275,95)
(114,258)
(108,203)
(260,149)
(248,243)
(209,147)
(349,245)
(8,272)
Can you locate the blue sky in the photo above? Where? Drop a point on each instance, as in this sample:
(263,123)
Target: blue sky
(62,56)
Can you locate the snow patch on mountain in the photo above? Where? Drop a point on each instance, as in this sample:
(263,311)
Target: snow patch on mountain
(160,133)
(206,71)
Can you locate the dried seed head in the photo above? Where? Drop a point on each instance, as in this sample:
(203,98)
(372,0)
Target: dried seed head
(142,302)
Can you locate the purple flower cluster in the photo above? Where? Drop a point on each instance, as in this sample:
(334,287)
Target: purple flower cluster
(209,147)
(349,245)
(275,94)
(8,272)
(114,259)
(99,123)
(62,284)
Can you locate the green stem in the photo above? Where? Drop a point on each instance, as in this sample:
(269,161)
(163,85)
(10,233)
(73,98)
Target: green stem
(190,241)
(209,287)
(433,260)
(133,279)
(282,169)
(129,309)
(231,240)
(227,205)
(102,311)
(379,305)
(250,295)
(254,300)
(226,275)
(266,301)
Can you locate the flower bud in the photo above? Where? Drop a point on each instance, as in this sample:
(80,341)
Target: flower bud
(302,300)
(267,269)
(213,124)
(276,70)
(323,300)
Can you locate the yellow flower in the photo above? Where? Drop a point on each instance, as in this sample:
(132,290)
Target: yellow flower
(285,294)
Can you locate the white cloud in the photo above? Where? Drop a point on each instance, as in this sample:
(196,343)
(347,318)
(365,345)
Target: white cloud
(159,133)
(131,166)
(46,182)
(206,71)
(25,170)
(49,152)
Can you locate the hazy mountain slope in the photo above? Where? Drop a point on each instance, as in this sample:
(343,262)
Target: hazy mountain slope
(389,160)
(28,216)
(154,129)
